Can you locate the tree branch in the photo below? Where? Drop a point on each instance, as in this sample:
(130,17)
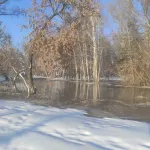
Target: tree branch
(9,14)
(55,13)
(3,1)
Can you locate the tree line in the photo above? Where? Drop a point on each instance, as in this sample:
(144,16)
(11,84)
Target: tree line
(67,40)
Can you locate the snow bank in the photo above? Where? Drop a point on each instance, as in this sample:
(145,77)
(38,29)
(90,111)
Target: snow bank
(28,127)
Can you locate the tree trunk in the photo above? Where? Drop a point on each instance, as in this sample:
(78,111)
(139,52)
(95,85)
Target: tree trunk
(32,89)
(76,65)
(95,58)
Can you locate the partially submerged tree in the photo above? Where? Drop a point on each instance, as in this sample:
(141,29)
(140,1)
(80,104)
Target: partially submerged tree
(14,61)
(65,37)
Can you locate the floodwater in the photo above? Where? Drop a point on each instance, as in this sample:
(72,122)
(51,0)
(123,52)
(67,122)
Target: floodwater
(98,100)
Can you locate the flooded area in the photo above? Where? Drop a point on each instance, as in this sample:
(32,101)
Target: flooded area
(99,100)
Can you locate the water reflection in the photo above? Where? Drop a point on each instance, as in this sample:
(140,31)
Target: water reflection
(99,100)
(90,94)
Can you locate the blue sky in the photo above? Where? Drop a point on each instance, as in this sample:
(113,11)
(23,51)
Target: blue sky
(13,24)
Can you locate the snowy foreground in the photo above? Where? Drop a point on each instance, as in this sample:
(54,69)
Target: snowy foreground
(24,126)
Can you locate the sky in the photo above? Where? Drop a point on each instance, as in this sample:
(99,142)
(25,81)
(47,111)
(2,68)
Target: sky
(13,24)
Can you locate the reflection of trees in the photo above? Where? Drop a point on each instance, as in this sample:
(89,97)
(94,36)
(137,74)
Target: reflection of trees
(74,93)
(76,90)
(50,89)
(95,93)
(100,99)
(82,93)
(87,91)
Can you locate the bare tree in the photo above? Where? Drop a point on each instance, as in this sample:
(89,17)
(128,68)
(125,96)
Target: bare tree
(13,61)
(4,11)
(132,41)
(71,45)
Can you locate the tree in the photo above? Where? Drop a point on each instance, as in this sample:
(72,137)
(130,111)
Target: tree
(14,60)
(70,46)
(4,11)
(132,41)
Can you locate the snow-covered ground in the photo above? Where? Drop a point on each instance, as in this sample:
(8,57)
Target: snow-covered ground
(24,126)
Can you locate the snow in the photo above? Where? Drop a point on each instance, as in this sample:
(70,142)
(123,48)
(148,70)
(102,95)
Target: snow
(40,77)
(24,126)
(110,79)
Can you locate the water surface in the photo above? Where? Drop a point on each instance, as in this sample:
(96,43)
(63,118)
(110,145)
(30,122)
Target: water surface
(99,100)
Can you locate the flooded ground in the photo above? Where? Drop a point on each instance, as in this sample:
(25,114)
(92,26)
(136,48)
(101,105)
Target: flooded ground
(99,100)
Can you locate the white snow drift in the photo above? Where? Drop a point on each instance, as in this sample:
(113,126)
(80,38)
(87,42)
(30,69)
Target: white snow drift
(24,126)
